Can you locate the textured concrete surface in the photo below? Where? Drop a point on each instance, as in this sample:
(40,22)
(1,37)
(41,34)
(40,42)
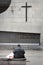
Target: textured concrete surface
(15,22)
(34,56)
(26,46)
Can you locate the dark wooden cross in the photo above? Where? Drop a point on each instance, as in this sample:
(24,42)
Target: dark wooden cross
(26,9)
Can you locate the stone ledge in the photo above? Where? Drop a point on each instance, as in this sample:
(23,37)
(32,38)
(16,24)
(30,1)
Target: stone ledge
(24,46)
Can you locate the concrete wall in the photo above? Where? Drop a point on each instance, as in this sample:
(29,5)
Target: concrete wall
(41,39)
(15,21)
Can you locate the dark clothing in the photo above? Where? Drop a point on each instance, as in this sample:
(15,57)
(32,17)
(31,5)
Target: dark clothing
(19,53)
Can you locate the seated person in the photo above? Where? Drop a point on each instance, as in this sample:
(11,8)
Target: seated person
(19,52)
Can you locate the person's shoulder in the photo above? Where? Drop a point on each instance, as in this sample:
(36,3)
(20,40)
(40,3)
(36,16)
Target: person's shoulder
(22,49)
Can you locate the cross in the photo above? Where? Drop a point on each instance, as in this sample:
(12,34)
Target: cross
(26,9)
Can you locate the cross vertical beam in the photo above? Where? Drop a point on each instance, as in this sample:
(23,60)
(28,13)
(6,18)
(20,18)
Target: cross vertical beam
(26,7)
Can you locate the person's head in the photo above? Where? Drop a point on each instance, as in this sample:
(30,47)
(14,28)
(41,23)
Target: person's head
(19,45)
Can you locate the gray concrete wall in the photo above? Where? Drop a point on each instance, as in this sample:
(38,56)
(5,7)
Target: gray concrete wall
(41,37)
(16,21)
